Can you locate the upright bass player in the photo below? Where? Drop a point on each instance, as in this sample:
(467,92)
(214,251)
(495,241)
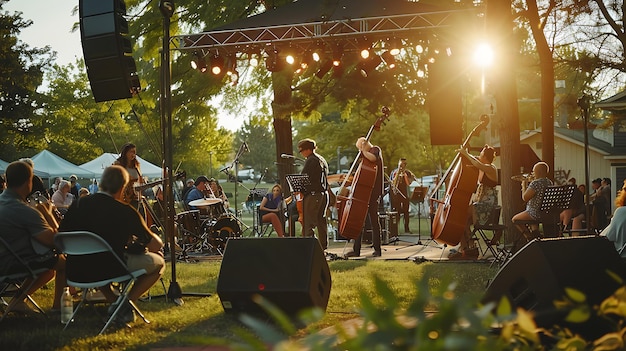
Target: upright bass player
(372,154)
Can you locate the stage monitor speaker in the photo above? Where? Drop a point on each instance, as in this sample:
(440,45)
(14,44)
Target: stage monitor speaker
(107,50)
(292,273)
(538,274)
(444,101)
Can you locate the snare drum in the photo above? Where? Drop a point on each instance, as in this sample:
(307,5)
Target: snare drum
(224,228)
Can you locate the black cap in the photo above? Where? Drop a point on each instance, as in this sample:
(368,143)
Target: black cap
(201,179)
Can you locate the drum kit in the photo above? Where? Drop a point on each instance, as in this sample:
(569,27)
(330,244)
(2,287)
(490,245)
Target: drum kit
(207,229)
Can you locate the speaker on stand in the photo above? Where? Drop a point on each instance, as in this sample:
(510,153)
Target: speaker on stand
(107,49)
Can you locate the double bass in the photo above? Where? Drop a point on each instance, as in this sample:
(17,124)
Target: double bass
(352,209)
(450,219)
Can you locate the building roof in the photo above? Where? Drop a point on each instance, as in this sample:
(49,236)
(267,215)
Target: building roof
(616,102)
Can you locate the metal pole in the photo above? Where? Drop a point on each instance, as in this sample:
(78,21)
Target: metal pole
(167,9)
(583,103)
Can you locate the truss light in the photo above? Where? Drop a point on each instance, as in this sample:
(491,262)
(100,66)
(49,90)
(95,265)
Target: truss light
(367,66)
(199,63)
(390,61)
(217,65)
(394,46)
(324,68)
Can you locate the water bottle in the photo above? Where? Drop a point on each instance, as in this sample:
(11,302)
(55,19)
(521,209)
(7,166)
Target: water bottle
(67,306)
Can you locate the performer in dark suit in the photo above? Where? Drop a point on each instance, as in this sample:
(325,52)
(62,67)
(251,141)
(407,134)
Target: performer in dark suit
(315,199)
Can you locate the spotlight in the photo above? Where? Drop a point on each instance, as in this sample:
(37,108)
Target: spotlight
(234,77)
(419,48)
(365,67)
(337,55)
(394,46)
(272,62)
(199,63)
(254,61)
(217,65)
(316,56)
(390,61)
(324,68)
(365,54)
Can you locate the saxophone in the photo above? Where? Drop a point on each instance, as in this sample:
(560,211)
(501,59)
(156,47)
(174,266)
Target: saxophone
(401,173)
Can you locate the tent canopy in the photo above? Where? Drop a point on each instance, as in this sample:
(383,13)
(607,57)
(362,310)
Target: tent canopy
(97,165)
(55,166)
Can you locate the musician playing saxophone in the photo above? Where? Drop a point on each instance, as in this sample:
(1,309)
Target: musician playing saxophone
(485,200)
(401,177)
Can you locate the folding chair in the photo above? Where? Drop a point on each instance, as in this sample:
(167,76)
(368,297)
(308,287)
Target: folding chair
(13,276)
(82,243)
(261,229)
(493,225)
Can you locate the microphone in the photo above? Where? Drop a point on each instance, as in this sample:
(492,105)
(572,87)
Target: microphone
(245,146)
(287,156)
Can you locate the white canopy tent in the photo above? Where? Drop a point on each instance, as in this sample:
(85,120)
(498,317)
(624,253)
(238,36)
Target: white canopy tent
(97,165)
(55,166)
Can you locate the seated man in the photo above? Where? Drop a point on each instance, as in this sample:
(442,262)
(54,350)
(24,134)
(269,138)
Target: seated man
(30,234)
(532,194)
(105,214)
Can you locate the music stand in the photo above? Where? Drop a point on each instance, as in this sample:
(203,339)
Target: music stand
(555,199)
(298,183)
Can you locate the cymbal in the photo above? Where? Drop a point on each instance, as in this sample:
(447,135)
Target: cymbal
(520,177)
(204,202)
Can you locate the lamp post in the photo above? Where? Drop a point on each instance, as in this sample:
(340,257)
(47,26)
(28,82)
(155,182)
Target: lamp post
(583,103)
(211,164)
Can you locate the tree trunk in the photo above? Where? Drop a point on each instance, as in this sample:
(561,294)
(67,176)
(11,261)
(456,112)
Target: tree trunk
(281,109)
(506,119)
(547,86)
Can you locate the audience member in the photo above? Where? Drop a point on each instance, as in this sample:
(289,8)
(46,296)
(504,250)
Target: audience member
(62,198)
(105,214)
(83,192)
(3,184)
(599,206)
(37,182)
(532,194)
(616,230)
(74,186)
(27,230)
(271,209)
(575,211)
(93,187)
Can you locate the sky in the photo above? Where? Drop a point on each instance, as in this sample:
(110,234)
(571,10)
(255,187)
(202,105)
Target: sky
(52,25)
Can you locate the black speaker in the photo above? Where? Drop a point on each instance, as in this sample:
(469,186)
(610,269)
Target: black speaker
(107,50)
(292,273)
(538,274)
(444,101)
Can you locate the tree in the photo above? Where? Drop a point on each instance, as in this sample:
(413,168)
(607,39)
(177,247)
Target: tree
(21,73)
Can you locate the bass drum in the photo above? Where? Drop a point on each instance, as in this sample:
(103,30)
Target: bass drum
(223,229)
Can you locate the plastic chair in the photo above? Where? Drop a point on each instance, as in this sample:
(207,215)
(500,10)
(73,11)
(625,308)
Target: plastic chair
(13,276)
(262,229)
(81,243)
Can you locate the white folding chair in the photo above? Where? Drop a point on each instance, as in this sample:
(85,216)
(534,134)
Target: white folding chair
(12,277)
(81,243)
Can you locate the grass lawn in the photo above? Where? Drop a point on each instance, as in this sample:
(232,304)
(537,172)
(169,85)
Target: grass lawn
(201,320)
